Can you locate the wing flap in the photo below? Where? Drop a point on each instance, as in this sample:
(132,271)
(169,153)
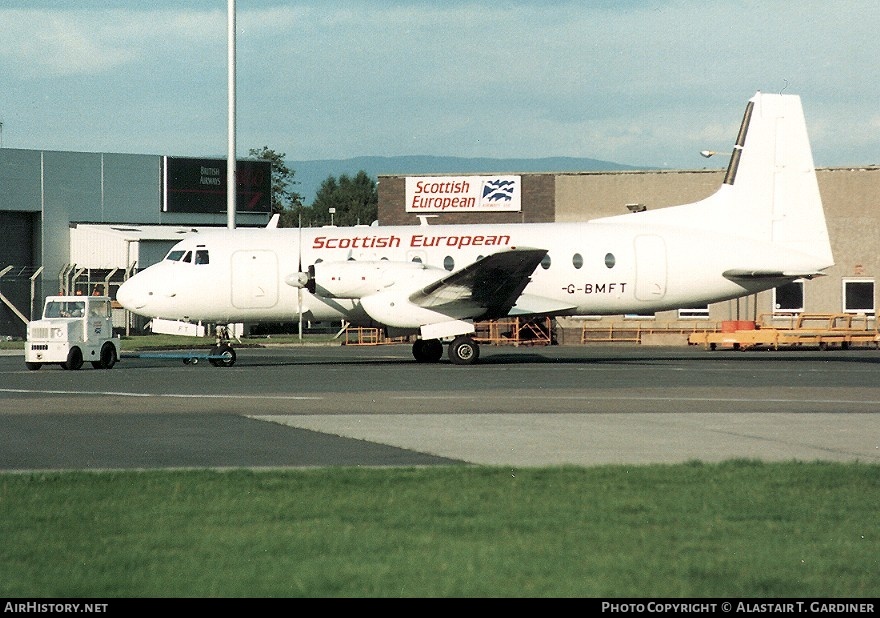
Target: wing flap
(529,304)
(486,289)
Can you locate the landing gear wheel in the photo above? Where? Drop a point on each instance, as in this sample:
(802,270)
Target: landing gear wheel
(226,352)
(33,366)
(427,350)
(463,351)
(74,359)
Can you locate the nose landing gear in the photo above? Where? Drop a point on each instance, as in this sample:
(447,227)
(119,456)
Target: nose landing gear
(222,354)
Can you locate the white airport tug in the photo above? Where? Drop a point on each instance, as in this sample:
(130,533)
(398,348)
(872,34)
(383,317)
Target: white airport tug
(73,329)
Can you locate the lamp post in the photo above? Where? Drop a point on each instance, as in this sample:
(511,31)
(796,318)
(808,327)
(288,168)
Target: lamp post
(332,211)
(712,153)
(230,154)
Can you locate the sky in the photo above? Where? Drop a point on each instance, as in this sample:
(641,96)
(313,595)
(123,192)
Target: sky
(643,83)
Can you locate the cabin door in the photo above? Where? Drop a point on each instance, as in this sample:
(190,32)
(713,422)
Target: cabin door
(650,268)
(254,279)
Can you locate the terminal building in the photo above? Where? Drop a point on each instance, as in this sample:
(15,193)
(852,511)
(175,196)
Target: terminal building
(79,222)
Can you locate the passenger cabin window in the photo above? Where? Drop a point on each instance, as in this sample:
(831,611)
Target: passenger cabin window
(545,262)
(577,260)
(448,262)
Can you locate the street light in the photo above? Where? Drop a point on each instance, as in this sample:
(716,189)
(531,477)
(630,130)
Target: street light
(332,211)
(712,153)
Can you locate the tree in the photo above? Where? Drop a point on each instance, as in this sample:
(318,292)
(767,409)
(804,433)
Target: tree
(285,201)
(355,200)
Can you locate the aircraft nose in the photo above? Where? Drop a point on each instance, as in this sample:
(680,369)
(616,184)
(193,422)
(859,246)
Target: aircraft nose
(131,296)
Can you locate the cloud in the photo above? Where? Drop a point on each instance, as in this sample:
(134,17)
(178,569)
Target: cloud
(638,82)
(38,44)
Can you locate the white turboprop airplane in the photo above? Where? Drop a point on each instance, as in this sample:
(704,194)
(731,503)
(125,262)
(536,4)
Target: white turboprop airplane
(764,227)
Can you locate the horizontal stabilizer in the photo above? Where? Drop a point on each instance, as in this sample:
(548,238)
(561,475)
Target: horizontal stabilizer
(735,273)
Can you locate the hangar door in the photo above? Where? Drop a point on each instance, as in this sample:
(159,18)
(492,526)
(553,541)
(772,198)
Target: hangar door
(18,230)
(17,267)
(254,279)
(650,267)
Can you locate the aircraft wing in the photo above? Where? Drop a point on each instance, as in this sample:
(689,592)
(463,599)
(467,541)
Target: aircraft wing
(486,289)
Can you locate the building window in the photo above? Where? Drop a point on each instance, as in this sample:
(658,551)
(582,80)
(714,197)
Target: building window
(694,313)
(858,296)
(789,298)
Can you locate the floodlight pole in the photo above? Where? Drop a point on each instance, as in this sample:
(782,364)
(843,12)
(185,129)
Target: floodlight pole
(230,156)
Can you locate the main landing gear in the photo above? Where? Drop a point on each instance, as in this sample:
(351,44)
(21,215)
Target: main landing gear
(462,351)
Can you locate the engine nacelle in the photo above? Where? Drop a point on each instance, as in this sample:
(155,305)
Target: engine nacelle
(354,279)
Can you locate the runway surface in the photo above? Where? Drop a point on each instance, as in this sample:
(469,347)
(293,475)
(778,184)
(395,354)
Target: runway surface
(304,406)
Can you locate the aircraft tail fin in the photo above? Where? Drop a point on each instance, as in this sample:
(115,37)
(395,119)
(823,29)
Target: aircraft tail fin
(769,192)
(772,178)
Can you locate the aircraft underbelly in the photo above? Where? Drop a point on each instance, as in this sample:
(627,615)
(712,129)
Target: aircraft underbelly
(650,267)
(254,279)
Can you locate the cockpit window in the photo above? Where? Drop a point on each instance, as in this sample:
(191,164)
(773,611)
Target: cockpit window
(182,255)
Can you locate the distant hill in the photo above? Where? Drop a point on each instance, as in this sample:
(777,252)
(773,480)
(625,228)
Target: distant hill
(309,175)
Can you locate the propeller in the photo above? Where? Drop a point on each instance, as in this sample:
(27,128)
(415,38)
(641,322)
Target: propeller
(300,280)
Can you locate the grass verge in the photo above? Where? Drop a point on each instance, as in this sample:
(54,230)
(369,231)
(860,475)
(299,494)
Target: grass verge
(735,529)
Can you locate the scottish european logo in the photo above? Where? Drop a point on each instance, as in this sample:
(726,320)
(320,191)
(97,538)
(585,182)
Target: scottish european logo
(497,191)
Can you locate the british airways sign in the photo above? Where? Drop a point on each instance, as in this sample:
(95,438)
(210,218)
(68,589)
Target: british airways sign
(437,194)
